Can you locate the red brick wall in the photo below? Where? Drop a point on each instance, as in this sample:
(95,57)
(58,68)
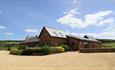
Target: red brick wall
(76,44)
(45,38)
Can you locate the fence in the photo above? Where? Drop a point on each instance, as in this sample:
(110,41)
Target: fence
(96,50)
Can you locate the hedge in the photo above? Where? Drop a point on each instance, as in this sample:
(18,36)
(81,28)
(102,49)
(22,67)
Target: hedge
(30,51)
(45,50)
(20,47)
(91,50)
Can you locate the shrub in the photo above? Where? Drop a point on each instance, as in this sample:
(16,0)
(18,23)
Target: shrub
(37,45)
(30,51)
(58,49)
(45,50)
(36,50)
(15,51)
(66,47)
(53,50)
(4,47)
(20,47)
(27,52)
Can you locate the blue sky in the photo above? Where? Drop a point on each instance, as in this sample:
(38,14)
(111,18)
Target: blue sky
(19,18)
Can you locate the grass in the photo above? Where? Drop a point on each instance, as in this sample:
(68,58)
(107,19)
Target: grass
(112,45)
(6,44)
(10,41)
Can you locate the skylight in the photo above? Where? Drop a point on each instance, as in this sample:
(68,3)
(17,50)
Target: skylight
(61,34)
(55,33)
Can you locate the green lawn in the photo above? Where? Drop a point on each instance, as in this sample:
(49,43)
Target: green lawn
(112,45)
(10,41)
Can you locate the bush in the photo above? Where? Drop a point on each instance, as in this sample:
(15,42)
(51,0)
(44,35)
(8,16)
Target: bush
(27,52)
(20,47)
(45,50)
(22,50)
(15,51)
(37,45)
(36,50)
(66,47)
(4,47)
(58,49)
(30,51)
(53,50)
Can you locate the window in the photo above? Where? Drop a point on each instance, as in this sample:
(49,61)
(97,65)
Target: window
(85,44)
(57,43)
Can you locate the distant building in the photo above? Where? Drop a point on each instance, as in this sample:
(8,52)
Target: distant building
(55,37)
(31,40)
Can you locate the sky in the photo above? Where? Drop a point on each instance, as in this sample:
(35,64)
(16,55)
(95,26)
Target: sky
(19,18)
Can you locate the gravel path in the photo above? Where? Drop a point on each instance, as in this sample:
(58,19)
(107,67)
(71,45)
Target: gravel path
(62,61)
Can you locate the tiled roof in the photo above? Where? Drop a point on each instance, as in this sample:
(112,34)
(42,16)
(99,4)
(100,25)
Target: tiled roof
(31,39)
(56,32)
(89,37)
(82,38)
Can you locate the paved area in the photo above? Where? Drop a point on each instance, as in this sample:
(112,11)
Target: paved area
(62,61)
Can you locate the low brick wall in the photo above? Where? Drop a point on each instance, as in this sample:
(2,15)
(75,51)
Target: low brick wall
(96,50)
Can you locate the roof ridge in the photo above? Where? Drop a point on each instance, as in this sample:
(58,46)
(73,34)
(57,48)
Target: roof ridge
(56,32)
(82,38)
(53,28)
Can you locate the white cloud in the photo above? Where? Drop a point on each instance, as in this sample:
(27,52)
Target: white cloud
(73,11)
(100,18)
(96,19)
(2,27)
(106,21)
(108,33)
(31,30)
(104,35)
(9,34)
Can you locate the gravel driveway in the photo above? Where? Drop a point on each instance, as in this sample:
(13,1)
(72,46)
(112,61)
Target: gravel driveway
(62,61)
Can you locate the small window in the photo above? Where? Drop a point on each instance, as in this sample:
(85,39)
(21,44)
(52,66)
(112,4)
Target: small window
(56,43)
(85,44)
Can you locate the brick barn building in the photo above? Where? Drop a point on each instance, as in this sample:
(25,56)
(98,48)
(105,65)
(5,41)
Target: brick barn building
(55,37)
